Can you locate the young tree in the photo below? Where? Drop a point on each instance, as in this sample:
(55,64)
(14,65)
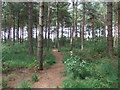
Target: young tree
(73,27)
(57,24)
(0,29)
(76,8)
(49,12)
(14,29)
(18,13)
(109,20)
(119,29)
(30,25)
(83,25)
(40,35)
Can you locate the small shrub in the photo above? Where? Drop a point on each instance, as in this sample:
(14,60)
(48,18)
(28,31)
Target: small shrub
(4,83)
(57,87)
(34,77)
(76,67)
(49,59)
(24,85)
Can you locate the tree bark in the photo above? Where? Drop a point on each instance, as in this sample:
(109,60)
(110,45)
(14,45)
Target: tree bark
(30,24)
(9,32)
(104,27)
(93,32)
(73,27)
(70,32)
(48,40)
(14,30)
(62,28)
(5,29)
(83,25)
(61,41)
(46,29)
(76,19)
(119,31)
(36,32)
(80,27)
(18,28)
(40,35)
(22,37)
(57,26)
(109,20)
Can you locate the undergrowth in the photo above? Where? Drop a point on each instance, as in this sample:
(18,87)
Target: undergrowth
(90,67)
(16,56)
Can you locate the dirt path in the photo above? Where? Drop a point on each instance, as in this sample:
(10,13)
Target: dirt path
(52,76)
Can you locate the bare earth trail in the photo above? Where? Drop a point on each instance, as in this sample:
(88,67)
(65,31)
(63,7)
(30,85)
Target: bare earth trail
(52,76)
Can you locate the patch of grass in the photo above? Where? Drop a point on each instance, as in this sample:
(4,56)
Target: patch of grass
(49,59)
(16,56)
(24,85)
(101,73)
(4,83)
(57,87)
(70,83)
(34,77)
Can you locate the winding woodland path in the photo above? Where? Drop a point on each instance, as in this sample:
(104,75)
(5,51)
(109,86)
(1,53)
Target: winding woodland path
(52,76)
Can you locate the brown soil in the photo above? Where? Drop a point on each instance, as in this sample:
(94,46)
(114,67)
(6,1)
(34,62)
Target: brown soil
(51,77)
(15,77)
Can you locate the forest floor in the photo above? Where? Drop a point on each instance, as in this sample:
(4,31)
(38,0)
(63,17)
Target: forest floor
(51,77)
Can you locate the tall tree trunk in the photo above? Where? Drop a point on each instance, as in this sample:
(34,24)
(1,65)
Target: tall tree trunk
(22,37)
(5,29)
(40,35)
(93,32)
(115,39)
(30,24)
(57,26)
(70,32)
(119,31)
(18,28)
(62,28)
(73,27)
(14,30)
(83,26)
(104,27)
(76,19)
(104,31)
(48,40)
(80,27)
(99,33)
(109,20)
(46,28)
(9,32)
(36,32)
(62,24)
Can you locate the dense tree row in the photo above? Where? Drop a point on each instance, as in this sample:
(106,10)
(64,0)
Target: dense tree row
(96,19)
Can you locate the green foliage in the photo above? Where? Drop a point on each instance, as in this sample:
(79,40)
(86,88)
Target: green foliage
(77,67)
(4,83)
(34,77)
(70,83)
(16,56)
(100,73)
(49,59)
(57,86)
(66,56)
(24,85)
